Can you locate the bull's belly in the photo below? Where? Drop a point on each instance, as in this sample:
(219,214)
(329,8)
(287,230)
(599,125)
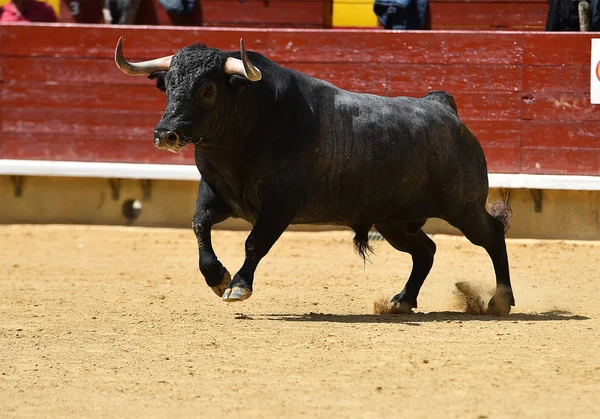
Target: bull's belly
(366,209)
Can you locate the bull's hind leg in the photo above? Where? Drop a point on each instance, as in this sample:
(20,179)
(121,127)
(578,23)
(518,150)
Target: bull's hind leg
(410,239)
(484,230)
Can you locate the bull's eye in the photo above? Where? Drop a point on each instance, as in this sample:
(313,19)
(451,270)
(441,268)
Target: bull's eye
(207,93)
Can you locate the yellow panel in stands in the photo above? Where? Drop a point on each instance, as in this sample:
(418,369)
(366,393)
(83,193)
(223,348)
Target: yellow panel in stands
(354,13)
(54,3)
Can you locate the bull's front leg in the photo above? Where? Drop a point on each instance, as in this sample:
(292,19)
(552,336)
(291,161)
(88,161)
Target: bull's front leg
(275,215)
(209,211)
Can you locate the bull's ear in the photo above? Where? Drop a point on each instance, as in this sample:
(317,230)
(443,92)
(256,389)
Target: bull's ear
(160,80)
(239,83)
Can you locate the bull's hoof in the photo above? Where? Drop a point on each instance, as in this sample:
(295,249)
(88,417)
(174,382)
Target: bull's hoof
(220,289)
(236,294)
(500,303)
(402,307)
(401,304)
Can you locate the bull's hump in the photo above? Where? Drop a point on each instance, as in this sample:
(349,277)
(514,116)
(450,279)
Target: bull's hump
(364,105)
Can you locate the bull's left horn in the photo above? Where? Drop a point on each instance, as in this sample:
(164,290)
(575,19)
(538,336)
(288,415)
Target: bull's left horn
(140,69)
(243,67)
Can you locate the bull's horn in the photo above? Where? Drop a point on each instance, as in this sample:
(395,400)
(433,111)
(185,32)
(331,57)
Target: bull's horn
(243,67)
(139,69)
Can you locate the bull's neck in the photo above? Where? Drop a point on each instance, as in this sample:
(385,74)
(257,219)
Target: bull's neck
(226,160)
(218,165)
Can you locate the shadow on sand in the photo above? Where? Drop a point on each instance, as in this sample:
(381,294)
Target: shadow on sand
(414,318)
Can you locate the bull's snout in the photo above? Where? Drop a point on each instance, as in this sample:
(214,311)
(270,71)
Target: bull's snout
(170,140)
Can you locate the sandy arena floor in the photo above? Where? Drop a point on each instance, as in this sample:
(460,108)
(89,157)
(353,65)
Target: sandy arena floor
(117,322)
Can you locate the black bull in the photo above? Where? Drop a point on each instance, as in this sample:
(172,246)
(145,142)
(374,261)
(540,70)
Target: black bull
(276,147)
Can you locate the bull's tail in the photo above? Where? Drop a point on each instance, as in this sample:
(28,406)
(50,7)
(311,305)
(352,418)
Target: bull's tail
(361,242)
(501,210)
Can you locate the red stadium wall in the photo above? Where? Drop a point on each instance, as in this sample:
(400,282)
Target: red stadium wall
(524,94)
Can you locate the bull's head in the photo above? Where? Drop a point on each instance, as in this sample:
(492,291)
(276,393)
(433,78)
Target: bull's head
(200,85)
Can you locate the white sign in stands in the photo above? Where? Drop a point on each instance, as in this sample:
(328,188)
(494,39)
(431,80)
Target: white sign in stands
(595,72)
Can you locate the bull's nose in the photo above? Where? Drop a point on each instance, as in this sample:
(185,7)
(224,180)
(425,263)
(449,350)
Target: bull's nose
(166,138)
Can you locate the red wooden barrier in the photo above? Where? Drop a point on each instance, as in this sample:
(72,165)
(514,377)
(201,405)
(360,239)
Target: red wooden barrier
(525,95)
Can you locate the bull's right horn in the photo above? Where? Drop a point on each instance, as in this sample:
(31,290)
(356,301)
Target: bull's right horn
(243,67)
(140,69)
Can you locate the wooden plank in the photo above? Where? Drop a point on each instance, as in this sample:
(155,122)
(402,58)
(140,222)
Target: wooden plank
(67,71)
(559,107)
(562,134)
(360,77)
(487,106)
(552,160)
(496,133)
(488,15)
(365,78)
(378,78)
(503,159)
(142,42)
(83,135)
(459,77)
(285,46)
(555,48)
(556,79)
(40,126)
(376,46)
(101,120)
(91,124)
(478,105)
(49,145)
(501,142)
(92,97)
(56,147)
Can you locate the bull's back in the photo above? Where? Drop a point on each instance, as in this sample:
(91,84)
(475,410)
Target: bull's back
(387,158)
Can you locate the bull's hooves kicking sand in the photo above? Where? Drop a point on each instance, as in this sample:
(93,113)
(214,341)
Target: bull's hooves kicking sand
(501,302)
(236,294)
(220,289)
(399,304)
(494,309)
(384,306)
(473,299)
(401,308)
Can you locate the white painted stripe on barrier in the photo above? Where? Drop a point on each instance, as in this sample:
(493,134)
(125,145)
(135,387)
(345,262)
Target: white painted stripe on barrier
(99,169)
(564,182)
(190,172)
